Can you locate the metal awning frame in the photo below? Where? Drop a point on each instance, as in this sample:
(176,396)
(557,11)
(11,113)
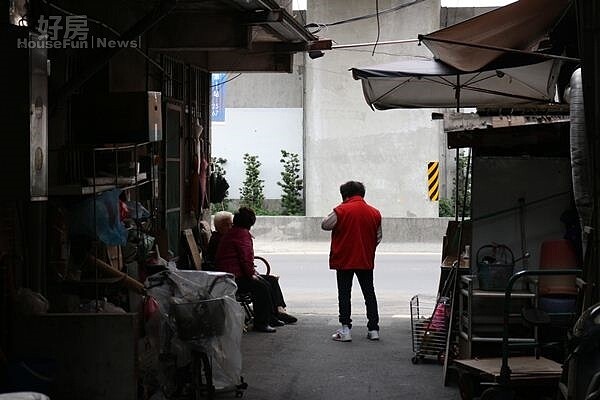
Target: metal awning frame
(425,38)
(460,86)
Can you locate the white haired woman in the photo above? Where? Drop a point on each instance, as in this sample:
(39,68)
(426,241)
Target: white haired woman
(222,221)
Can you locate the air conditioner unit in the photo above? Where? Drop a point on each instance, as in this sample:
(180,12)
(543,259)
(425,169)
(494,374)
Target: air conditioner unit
(125,117)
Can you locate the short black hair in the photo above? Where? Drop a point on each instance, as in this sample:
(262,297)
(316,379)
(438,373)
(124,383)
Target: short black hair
(244,218)
(352,188)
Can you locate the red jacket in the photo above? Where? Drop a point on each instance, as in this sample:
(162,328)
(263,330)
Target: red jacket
(235,253)
(354,237)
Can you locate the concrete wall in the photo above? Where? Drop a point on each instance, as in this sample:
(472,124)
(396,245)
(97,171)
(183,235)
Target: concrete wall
(344,138)
(450,16)
(267,90)
(263,115)
(258,131)
(300,233)
(499,183)
(454,15)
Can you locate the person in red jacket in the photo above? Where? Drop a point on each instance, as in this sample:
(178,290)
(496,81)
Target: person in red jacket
(355,233)
(235,255)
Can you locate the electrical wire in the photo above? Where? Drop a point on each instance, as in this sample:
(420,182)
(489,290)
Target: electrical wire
(109,28)
(226,81)
(117,33)
(378,27)
(386,53)
(239,60)
(320,26)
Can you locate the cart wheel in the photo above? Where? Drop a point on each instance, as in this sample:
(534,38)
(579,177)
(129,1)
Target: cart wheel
(243,385)
(468,386)
(454,351)
(415,360)
(239,393)
(496,393)
(491,394)
(441,357)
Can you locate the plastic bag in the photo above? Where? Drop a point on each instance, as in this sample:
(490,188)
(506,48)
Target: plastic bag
(199,319)
(218,188)
(29,302)
(107,227)
(221,340)
(135,210)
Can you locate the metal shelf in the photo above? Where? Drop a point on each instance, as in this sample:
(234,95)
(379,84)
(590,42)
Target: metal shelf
(496,339)
(471,325)
(500,295)
(79,190)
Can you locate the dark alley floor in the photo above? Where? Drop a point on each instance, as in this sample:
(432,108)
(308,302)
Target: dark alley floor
(301,362)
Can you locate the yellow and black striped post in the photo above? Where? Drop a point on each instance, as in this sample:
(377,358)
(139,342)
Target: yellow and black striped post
(433,180)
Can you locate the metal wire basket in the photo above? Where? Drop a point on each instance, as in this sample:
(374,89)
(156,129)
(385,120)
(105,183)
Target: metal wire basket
(429,318)
(199,319)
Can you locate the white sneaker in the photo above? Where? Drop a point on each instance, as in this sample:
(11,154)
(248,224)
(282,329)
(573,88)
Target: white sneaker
(342,335)
(373,335)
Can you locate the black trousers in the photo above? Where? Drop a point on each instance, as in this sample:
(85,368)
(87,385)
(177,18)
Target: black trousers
(344,283)
(276,293)
(266,296)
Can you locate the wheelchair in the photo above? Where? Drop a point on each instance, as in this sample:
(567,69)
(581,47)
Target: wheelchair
(245,298)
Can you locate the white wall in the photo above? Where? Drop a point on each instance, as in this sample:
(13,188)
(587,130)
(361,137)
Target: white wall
(499,182)
(344,138)
(258,131)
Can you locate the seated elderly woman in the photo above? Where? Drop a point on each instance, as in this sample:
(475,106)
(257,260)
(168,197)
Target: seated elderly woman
(223,221)
(235,254)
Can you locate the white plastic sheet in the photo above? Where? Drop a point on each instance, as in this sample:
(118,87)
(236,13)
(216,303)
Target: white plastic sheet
(23,396)
(177,287)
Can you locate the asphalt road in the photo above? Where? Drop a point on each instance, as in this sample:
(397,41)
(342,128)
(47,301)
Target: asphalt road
(309,285)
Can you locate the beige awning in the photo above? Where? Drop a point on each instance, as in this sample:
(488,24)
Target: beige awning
(520,26)
(421,83)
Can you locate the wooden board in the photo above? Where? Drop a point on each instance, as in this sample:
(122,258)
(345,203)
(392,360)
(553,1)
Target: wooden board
(162,244)
(193,248)
(115,257)
(521,367)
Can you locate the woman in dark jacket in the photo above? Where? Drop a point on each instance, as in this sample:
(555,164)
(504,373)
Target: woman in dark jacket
(235,255)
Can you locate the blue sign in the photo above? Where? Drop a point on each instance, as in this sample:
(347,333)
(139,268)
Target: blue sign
(217,98)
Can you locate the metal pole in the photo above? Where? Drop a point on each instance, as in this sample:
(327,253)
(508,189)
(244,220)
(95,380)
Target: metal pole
(522,222)
(588,26)
(505,369)
(500,49)
(368,44)
(456,185)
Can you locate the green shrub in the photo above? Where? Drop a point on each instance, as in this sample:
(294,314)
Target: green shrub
(291,184)
(252,190)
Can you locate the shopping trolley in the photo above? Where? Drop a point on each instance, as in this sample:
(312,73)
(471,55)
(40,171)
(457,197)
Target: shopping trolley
(429,318)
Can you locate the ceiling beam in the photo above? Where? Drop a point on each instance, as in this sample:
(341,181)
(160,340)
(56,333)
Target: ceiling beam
(249,62)
(196,31)
(283,24)
(531,134)
(220,61)
(95,65)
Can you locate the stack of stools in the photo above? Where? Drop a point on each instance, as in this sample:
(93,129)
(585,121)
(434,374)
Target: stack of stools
(557,294)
